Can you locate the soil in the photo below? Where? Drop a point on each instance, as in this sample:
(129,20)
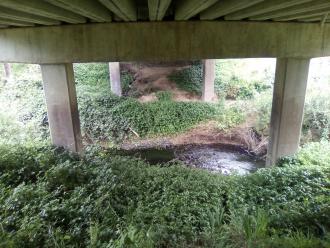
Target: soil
(205,134)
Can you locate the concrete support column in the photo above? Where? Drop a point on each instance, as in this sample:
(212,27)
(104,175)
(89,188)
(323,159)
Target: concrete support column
(288,107)
(114,68)
(61,100)
(208,80)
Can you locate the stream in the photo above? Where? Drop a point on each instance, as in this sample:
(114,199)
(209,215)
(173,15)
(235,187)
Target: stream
(224,159)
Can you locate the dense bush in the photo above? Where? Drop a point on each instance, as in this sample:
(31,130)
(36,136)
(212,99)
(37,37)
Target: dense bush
(230,116)
(24,115)
(164,95)
(316,121)
(231,84)
(50,198)
(127,80)
(261,109)
(189,79)
(316,124)
(113,117)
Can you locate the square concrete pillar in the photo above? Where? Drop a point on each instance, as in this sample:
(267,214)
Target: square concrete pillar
(62,107)
(288,108)
(114,68)
(208,80)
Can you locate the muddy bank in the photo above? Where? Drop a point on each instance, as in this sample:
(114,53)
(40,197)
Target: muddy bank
(205,134)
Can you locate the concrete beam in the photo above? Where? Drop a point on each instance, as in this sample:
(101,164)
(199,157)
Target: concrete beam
(104,42)
(288,108)
(225,7)
(263,7)
(43,9)
(298,9)
(115,82)
(185,9)
(308,14)
(125,9)
(208,80)
(62,108)
(88,8)
(10,22)
(26,17)
(157,9)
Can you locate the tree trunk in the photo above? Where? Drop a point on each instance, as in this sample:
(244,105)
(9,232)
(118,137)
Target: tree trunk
(7,68)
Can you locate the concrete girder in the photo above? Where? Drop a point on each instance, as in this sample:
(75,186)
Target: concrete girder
(136,41)
(157,9)
(125,9)
(225,7)
(88,8)
(62,107)
(308,14)
(43,9)
(185,9)
(298,9)
(26,17)
(10,22)
(263,7)
(287,108)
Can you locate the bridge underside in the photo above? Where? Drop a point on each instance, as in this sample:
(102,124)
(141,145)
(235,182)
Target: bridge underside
(57,33)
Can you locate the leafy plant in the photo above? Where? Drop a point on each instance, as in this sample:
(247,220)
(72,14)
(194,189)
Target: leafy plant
(126,79)
(96,74)
(116,118)
(316,124)
(51,198)
(164,95)
(232,84)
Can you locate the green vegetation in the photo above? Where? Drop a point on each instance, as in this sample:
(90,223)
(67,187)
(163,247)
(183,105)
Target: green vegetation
(127,80)
(108,116)
(50,198)
(229,116)
(234,83)
(23,116)
(104,117)
(316,125)
(189,79)
(93,74)
(316,122)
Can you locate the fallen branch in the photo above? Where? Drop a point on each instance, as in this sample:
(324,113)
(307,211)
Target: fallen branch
(135,133)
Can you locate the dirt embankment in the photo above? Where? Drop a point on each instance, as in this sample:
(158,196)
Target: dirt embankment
(206,134)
